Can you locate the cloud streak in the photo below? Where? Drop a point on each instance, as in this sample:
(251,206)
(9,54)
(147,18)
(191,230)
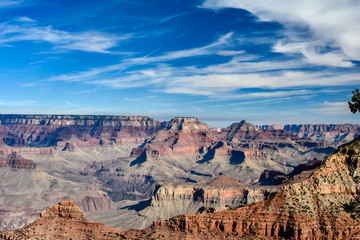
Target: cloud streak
(9,3)
(25,29)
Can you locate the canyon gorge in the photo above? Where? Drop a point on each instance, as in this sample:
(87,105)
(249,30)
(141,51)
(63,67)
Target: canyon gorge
(128,172)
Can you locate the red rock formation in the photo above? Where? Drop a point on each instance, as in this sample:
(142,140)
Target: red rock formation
(179,136)
(63,221)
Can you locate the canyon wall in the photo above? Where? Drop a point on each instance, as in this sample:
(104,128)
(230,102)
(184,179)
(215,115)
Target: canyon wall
(336,134)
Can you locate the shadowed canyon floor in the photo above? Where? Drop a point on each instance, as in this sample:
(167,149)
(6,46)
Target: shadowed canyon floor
(110,166)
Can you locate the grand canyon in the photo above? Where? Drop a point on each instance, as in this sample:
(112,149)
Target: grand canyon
(175,179)
(188,120)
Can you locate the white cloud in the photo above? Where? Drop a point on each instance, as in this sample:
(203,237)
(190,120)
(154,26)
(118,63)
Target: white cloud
(229,53)
(24,19)
(9,3)
(26,30)
(331,23)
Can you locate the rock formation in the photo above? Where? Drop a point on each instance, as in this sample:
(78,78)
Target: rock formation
(336,134)
(15,161)
(88,130)
(63,221)
(172,199)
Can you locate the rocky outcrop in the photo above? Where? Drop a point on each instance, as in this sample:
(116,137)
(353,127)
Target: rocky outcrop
(63,221)
(323,206)
(243,126)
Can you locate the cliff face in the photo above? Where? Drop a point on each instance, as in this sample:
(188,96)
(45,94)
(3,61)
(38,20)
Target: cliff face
(336,134)
(63,221)
(80,130)
(15,161)
(222,193)
(322,206)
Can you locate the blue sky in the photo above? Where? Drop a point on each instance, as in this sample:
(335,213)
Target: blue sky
(266,61)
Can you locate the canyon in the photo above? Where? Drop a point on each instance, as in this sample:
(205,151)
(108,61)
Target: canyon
(130,171)
(323,204)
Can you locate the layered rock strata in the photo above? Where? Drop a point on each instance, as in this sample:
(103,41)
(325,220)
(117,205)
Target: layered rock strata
(81,130)
(336,134)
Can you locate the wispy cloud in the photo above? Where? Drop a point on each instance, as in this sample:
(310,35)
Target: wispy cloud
(9,3)
(332,108)
(26,29)
(24,19)
(210,49)
(278,79)
(72,104)
(332,30)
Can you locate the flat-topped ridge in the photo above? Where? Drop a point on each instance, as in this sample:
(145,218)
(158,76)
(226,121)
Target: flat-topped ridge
(69,120)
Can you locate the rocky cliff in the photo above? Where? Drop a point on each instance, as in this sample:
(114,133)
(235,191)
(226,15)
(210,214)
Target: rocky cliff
(15,161)
(336,134)
(323,206)
(78,130)
(63,221)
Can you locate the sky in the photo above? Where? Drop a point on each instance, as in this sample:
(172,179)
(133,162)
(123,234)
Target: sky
(265,61)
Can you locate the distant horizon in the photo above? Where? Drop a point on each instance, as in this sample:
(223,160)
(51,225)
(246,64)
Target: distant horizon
(169,119)
(272,61)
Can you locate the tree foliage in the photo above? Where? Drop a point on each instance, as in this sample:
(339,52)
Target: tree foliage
(354,105)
